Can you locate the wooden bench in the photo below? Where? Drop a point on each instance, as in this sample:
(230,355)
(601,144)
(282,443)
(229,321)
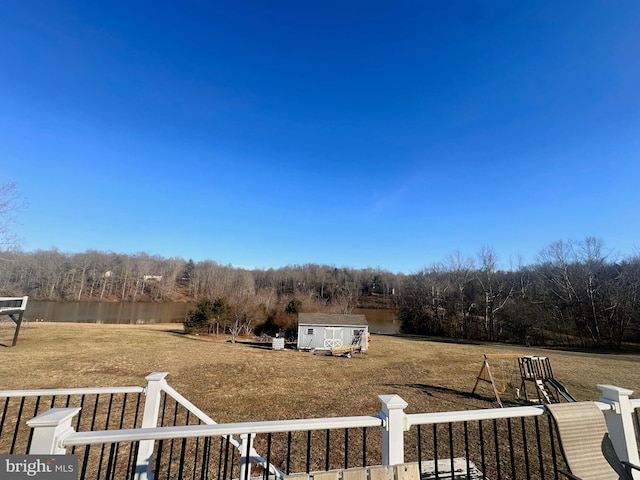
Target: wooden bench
(14,308)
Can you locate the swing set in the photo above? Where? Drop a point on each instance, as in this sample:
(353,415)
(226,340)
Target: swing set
(506,363)
(531,370)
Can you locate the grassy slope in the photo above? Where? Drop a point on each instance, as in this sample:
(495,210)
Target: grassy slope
(240,382)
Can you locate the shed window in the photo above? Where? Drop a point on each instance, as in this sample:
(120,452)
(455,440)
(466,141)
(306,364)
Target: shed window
(309,331)
(357,332)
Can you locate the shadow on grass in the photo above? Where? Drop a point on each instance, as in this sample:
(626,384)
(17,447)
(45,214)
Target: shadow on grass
(626,349)
(436,391)
(425,338)
(263,345)
(174,331)
(431,390)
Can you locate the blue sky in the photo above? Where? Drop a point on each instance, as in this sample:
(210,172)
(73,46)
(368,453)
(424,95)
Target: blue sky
(360,134)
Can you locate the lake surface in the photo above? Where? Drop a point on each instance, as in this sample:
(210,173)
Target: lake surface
(107,312)
(380,321)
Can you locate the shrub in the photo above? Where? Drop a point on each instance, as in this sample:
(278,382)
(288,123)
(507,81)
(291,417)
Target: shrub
(204,316)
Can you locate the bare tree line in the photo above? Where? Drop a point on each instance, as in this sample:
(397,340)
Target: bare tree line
(11,203)
(575,294)
(106,276)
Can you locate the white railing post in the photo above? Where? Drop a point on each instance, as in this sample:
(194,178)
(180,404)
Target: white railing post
(246,452)
(394,426)
(620,423)
(153,392)
(49,429)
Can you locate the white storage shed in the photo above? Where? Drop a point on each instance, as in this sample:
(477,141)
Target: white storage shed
(326,331)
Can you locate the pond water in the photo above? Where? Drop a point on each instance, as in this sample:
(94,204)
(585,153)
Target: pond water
(380,321)
(107,312)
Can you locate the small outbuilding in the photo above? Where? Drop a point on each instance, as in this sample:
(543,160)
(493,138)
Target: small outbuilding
(327,331)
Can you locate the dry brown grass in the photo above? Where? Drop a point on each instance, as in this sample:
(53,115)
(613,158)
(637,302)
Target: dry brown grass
(239,382)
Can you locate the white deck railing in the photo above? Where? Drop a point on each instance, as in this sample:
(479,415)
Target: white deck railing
(53,431)
(63,392)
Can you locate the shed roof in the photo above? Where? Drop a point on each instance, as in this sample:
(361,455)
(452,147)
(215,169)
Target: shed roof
(331,319)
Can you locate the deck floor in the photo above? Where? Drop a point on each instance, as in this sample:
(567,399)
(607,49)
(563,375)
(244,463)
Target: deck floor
(428,470)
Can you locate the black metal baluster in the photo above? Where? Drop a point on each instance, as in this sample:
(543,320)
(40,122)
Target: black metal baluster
(497,448)
(124,407)
(196,454)
(164,408)
(483,459)
(553,447)
(308,463)
(540,458)
(466,449)
(4,413)
(220,456)
(95,412)
(525,448)
(419,448)
(247,458)
(159,460)
(111,462)
(451,455)
(93,422)
(511,451)
(134,448)
(37,406)
(85,462)
(226,459)
(435,448)
(288,453)
(106,427)
(182,449)
(364,446)
(171,443)
(137,412)
(266,470)
(346,448)
(35,413)
(206,450)
(120,426)
(17,427)
(327,451)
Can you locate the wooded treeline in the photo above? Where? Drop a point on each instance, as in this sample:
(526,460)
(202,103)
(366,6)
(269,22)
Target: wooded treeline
(575,294)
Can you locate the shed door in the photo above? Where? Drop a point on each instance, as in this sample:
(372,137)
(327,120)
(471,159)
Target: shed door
(332,337)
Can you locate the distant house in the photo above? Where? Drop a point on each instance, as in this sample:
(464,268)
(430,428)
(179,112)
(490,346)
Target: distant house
(326,331)
(157,278)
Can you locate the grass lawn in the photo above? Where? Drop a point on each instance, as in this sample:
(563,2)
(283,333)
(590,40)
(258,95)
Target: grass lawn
(240,382)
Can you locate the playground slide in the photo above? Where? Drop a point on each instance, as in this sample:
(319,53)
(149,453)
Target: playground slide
(562,390)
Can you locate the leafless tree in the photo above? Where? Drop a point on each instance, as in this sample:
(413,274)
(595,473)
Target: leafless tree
(460,270)
(11,203)
(495,287)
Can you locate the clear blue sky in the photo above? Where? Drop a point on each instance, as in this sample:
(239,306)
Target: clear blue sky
(350,133)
